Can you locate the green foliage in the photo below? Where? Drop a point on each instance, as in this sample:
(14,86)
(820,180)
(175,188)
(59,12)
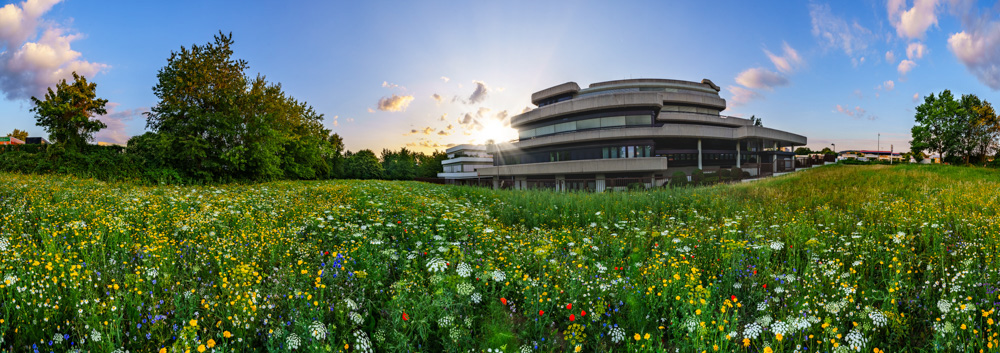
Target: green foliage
(19,134)
(429,165)
(697,177)
(803,151)
(67,113)
(217,124)
(736,173)
(827,151)
(401,165)
(960,130)
(363,165)
(678,179)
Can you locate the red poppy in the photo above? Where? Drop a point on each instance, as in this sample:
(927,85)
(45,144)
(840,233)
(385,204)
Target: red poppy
(569,306)
(765,285)
(405,317)
(572,317)
(503,300)
(583,313)
(326,253)
(733,297)
(540,312)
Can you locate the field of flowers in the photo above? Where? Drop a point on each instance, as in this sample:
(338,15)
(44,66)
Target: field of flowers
(835,259)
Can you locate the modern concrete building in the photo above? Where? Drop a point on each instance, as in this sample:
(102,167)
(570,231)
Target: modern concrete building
(462,163)
(632,131)
(869,155)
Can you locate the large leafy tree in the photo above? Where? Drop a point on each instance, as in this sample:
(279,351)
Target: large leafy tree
(401,165)
(429,165)
(68,113)
(939,124)
(19,134)
(981,128)
(216,123)
(363,165)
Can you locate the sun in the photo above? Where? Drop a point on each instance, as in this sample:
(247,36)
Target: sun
(496,131)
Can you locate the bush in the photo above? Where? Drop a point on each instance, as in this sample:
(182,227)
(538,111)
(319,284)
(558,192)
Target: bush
(724,174)
(678,179)
(737,173)
(697,176)
(636,186)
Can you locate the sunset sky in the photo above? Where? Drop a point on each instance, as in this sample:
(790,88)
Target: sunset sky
(431,74)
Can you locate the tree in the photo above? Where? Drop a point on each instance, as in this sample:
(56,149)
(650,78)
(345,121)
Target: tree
(19,134)
(400,165)
(363,165)
(335,156)
(803,151)
(938,125)
(827,150)
(755,121)
(981,128)
(217,123)
(67,113)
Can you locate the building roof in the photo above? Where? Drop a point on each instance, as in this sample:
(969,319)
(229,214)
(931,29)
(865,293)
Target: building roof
(466,147)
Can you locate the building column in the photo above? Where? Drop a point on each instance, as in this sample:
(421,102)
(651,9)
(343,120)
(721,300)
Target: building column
(560,183)
(652,180)
(737,154)
(699,154)
(599,183)
(774,163)
(521,182)
(496,182)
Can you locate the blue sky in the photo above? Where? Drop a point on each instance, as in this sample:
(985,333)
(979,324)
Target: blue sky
(822,69)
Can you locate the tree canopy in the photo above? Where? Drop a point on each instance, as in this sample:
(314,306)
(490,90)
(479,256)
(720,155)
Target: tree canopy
(965,129)
(213,122)
(19,134)
(68,113)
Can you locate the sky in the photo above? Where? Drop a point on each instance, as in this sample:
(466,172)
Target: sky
(428,75)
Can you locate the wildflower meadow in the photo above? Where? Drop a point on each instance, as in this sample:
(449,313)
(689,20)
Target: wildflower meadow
(833,259)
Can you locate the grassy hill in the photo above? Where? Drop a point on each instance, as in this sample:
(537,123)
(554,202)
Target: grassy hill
(832,259)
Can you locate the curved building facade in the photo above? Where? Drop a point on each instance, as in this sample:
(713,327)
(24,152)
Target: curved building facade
(642,129)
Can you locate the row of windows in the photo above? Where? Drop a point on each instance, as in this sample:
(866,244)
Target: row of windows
(648,89)
(685,109)
(595,123)
(627,151)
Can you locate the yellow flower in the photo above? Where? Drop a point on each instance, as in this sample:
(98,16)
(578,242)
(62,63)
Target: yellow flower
(768,350)
(226,334)
(210,343)
(637,337)
(163,350)
(646,336)
(715,347)
(577,349)
(346,346)
(194,322)
(779,337)
(201,348)
(963,326)
(746,342)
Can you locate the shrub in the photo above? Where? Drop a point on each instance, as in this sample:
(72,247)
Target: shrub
(678,179)
(697,176)
(636,186)
(724,175)
(737,173)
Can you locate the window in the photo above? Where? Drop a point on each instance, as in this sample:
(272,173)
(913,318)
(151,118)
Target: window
(545,130)
(613,121)
(637,120)
(565,127)
(526,134)
(588,124)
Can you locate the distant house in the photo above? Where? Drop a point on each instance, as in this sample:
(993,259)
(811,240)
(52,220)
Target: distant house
(9,140)
(36,141)
(870,155)
(932,159)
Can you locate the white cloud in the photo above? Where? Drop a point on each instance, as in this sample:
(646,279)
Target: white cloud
(916,97)
(915,50)
(889,85)
(394,103)
(890,57)
(761,78)
(445,79)
(386,84)
(846,111)
(28,68)
(835,32)
(335,122)
(914,22)
(117,123)
(788,62)
(856,113)
(977,46)
(740,95)
(905,66)
(437,97)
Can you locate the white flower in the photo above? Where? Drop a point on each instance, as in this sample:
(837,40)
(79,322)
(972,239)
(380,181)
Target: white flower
(317,330)
(499,276)
(357,318)
(617,334)
(752,331)
(855,340)
(944,305)
(361,342)
(464,288)
(476,298)
(95,336)
(436,265)
(57,338)
(351,305)
(293,341)
(445,321)
(877,318)
(464,270)
(4,243)
(777,245)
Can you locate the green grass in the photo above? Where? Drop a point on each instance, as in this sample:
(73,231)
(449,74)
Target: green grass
(889,257)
